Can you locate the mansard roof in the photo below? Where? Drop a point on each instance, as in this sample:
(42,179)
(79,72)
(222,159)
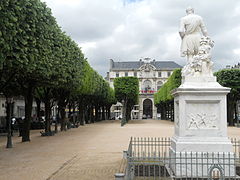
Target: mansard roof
(134,65)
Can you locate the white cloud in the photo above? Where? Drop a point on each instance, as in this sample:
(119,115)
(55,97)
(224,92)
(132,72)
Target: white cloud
(87,46)
(128,30)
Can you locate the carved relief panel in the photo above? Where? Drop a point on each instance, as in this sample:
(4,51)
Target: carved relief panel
(202,114)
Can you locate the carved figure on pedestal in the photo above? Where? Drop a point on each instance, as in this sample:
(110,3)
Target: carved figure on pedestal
(201,65)
(202,121)
(192,122)
(191,30)
(196,45)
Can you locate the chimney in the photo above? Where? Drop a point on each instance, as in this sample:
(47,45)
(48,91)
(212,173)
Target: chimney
(111,64)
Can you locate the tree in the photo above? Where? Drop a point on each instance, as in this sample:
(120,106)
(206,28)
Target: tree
(126,91)
(230,78)
(27,32)
(35,51)
(163,99)
(36,54)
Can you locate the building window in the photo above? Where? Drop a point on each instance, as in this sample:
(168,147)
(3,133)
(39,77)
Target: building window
(159,85)
(168,73)
(117,74)
(135,74)
(159,74)
(147,85)
(126,74)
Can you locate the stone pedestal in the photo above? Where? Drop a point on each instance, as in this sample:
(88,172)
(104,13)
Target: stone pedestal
(200,127)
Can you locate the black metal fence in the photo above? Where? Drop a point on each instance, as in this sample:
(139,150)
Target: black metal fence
(151,158)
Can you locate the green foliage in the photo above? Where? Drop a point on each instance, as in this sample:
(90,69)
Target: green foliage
(230,78)
(126,91)
(36,54)
(126,88)
(164,93)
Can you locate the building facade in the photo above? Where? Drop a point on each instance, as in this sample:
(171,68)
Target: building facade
(152,75)
(18,108)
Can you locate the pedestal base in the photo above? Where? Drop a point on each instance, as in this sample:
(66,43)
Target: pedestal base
(200,144)
(202,164)
(199,157)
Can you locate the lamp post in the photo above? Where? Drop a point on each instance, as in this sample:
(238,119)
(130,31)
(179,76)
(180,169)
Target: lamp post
(9,113)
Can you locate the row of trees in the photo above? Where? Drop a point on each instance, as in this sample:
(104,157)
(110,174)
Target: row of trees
(38,60)
(226,77)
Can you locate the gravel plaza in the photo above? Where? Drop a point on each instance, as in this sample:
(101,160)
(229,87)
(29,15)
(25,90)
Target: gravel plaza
(90,152)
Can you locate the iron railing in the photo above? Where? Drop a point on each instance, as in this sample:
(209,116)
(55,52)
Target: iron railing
(151,158)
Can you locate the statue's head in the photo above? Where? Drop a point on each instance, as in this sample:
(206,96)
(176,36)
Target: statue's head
(189,10)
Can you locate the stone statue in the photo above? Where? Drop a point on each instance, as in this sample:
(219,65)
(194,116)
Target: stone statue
(191,30)
(201,64)
(196,45)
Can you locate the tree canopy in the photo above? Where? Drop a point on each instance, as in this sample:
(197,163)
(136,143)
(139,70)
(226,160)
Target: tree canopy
(230,78)
(37,56)
(164,93)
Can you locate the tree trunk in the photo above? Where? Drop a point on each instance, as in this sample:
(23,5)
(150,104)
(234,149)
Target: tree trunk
(172,110)
(81,114)
(86,115)
(124,115)
(103,113)
(62,106)
(56,122)
(69,110)
(91,114)
(9,109)
(63,119)
(96,113)
(28,114)
(38,102)
(108,113)
(47,104)
(235,113)
(230,111)
(163,114)
(128,113)
(73,112)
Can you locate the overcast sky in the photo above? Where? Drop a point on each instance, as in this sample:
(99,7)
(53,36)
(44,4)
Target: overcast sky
(126,30)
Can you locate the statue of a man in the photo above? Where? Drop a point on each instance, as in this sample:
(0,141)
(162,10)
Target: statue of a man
(191,30)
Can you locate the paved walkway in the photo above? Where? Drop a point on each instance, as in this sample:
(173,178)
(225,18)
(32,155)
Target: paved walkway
(90,152)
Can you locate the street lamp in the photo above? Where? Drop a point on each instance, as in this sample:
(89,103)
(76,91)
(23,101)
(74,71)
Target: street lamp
(9,112)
